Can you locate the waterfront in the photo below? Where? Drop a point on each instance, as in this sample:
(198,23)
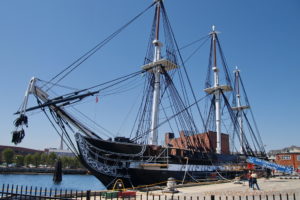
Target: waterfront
(69,182)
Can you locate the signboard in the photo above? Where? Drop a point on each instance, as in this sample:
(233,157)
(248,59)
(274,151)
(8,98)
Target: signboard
(270,165)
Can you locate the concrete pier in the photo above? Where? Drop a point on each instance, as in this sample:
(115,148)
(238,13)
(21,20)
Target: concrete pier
(270,187)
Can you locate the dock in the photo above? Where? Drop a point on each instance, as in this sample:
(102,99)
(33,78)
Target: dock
(278,188)
(267,187)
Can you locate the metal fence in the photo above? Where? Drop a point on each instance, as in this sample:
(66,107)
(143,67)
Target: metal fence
(15,192)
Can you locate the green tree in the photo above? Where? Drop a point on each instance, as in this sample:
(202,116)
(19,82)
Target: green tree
(44,158)
(36,158)
(66,161)
(8,155)
(28,159)
(51,159)
(20,160)
(77,163)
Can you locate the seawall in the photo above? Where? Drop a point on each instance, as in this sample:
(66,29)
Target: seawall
(19,170)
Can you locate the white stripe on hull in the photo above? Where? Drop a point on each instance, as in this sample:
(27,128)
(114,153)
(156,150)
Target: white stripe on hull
(181,167)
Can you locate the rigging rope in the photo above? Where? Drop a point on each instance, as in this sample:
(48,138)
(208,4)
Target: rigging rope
(91,52)
(185,71)
(73,149)
(197,101)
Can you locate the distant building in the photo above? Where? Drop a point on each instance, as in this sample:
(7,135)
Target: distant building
(288,156)
(19,150)
(294,149)
(24,151)
(59,152)
(291,159)
(272,158)
(284,150)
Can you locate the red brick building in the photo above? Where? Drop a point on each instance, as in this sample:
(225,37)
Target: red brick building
(291,159)
(200,141)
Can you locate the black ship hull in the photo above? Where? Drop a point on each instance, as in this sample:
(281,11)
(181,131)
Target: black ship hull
(138,165)
(140,178)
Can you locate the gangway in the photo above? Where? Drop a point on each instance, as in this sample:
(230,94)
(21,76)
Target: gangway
(270,165)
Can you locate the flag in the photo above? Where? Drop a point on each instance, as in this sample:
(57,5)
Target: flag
(97,99)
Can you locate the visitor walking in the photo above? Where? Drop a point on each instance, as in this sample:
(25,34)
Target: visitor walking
(249,179)
(254,181)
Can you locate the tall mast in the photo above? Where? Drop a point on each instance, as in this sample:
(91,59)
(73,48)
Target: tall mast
(217,93)
(156,67)
(238,100)
(239,108)
(153,138)
(216,90)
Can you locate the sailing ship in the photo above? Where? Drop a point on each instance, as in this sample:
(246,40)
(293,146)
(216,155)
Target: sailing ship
(195,148)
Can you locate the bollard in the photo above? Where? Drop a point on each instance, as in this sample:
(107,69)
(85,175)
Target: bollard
(88,194)
(212,197)
(171,184)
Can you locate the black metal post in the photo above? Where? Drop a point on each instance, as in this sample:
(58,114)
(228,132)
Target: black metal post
(12,189)
(7,189)
(41,189)
(50,193)
(45,192)
(30,192)
(60,192)
(17,190)
(2,191)
(25,192)
(88,194)
(35,191)
(55,192)
(21,192)
(212,197)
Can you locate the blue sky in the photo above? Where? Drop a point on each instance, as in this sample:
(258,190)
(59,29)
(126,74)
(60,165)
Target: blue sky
(40,38)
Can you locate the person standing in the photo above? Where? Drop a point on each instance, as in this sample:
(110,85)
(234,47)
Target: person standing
(249,179)
(254,181)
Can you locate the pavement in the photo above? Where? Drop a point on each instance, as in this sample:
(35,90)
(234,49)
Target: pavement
(269,189)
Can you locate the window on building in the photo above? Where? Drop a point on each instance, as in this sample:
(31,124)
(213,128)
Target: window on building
(298,157)
(286,157)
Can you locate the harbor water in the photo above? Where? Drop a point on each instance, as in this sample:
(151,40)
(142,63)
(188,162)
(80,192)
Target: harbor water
(69,182)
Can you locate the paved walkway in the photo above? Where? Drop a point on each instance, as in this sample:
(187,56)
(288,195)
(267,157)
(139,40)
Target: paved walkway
(273,188)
